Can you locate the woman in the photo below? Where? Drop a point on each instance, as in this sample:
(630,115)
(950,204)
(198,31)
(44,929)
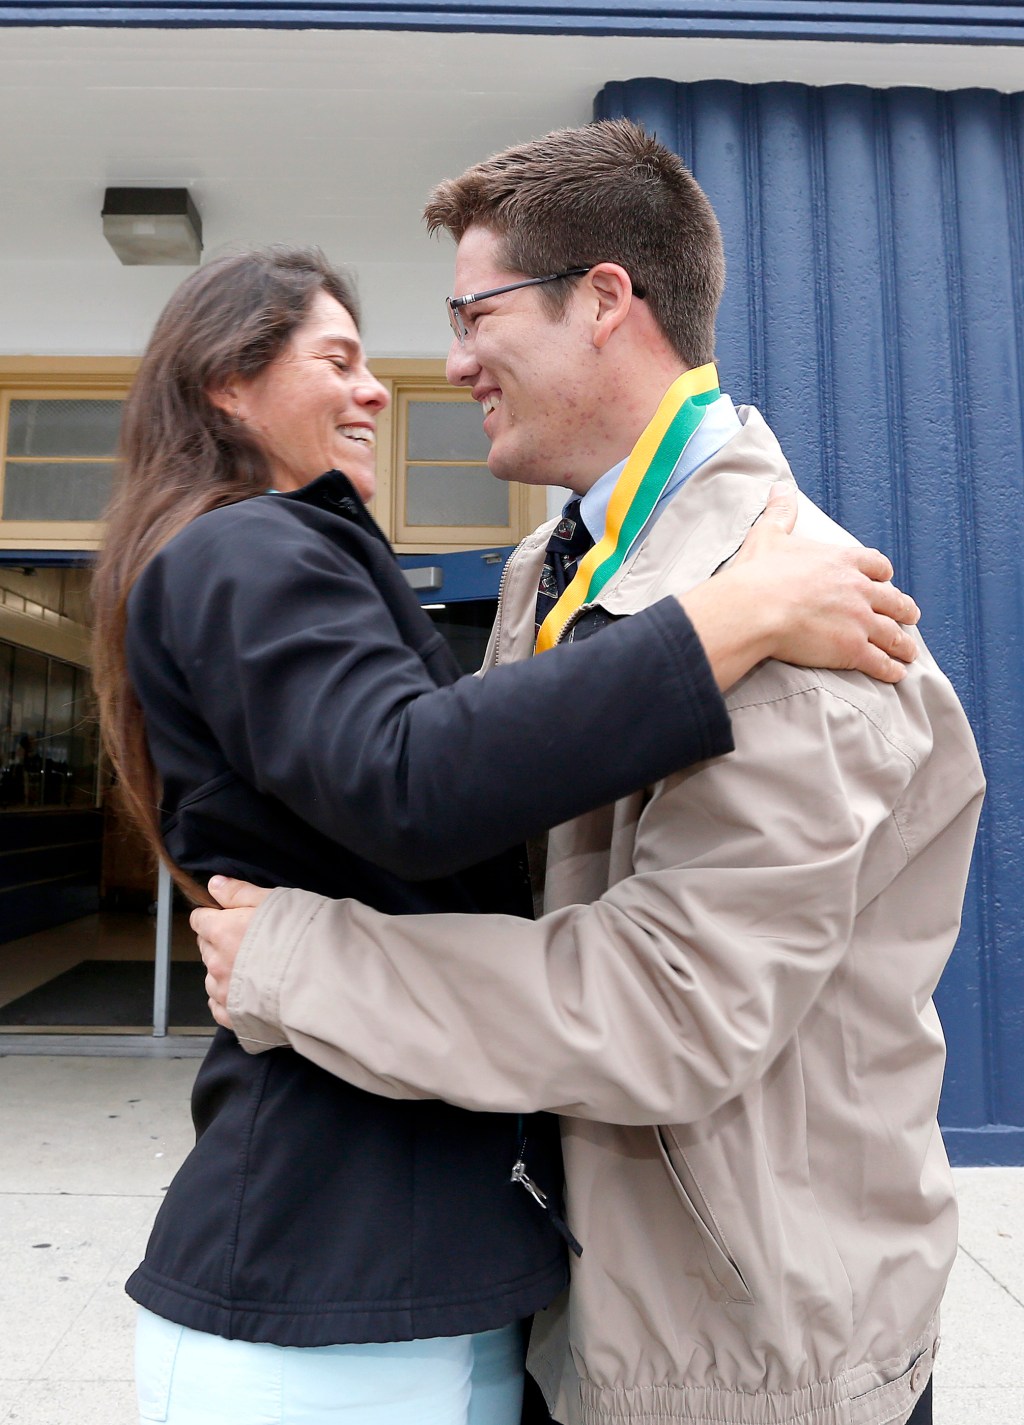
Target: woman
(280,709)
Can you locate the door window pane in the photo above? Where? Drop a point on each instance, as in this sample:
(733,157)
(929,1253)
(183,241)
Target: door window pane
(60,714)
(56,490)
(446,430)
(455,495)
(63,427)
(50,743)
(28,728)
(60,702)
(6,669)
(84,743)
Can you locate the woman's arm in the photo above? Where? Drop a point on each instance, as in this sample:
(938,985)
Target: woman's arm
(295,662)
(819,605)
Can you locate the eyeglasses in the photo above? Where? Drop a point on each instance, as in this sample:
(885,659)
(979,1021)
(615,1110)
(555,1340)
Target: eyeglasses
(455,304)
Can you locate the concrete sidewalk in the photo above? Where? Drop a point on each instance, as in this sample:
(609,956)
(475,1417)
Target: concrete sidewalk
(89,1145)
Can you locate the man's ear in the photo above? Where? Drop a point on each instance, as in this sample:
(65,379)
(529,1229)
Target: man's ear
(613,290)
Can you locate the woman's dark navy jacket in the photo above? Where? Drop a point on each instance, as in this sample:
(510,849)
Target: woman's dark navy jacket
(310,728)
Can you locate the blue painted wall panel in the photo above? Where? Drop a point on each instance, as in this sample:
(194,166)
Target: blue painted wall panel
(941,21)
(875,312)
(466,574)
(988,237)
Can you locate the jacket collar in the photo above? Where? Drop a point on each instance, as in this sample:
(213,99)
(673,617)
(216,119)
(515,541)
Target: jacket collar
(335,493)
(706,521)
(703,526)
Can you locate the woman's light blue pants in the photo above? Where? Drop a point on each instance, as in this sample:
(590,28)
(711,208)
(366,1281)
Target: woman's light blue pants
(186,1377)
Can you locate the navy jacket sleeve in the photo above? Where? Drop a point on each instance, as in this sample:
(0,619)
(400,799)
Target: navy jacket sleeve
(294,661)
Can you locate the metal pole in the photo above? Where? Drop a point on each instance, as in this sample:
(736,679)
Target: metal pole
(162,965)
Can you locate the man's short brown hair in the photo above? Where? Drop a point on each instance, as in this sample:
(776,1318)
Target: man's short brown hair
(607,192)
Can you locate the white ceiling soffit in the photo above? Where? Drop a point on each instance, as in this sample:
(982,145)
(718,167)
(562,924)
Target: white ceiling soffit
(332,137)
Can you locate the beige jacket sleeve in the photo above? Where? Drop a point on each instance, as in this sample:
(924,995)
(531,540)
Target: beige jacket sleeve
(663,999)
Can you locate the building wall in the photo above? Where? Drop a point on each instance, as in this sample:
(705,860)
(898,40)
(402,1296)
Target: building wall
(874,313)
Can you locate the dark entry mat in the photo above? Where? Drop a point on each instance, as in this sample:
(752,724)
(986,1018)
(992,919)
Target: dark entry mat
(113,993)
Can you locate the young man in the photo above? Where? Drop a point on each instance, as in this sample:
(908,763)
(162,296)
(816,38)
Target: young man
(728,998)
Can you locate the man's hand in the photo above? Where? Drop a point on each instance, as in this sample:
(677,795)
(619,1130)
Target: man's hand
(220,934)
(802,601)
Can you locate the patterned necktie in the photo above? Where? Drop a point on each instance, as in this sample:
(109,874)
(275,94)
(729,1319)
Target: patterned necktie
(569,542)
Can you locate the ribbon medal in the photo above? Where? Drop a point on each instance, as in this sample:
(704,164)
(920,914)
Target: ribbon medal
(637,491)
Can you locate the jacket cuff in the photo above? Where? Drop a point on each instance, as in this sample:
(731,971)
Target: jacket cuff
(694,674)
(254,994)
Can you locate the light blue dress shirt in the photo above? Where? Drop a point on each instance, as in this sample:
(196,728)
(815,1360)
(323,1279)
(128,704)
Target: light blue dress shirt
(719,425)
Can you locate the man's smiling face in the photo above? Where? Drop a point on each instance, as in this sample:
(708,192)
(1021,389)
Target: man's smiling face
(532,373)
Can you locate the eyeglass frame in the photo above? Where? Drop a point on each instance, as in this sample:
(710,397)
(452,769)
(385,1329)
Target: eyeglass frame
(455,304)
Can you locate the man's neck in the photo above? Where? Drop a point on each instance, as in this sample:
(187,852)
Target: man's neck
(627,409)
(703,434)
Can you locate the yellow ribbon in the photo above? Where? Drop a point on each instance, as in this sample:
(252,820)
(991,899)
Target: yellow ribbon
(697,382)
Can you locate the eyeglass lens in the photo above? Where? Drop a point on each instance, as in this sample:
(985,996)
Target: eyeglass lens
(455,304)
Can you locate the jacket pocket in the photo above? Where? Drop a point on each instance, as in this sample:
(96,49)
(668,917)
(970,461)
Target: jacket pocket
(725,1270)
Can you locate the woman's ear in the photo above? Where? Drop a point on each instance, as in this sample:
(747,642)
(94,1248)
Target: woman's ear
(226,397)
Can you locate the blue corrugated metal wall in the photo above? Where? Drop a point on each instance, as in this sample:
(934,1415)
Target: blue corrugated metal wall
(875,313)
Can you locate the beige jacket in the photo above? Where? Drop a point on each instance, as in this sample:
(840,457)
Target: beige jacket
(729,1001)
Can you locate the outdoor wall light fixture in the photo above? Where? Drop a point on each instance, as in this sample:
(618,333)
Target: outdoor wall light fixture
(153,227)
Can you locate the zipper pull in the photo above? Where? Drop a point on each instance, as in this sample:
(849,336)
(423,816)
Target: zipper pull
(520,1175)
(558,1222)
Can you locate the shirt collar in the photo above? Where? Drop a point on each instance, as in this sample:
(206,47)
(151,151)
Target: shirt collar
(720,424)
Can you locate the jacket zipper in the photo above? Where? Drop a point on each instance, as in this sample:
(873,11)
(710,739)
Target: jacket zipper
(519,1173)
(572,620)
(541,1198)
(497,618)
(501,591)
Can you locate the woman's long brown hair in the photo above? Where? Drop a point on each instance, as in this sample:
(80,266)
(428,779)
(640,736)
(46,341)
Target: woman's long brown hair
(180,456)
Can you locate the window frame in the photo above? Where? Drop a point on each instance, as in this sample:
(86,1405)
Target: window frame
(57,378)
(109,377)
(405,379)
